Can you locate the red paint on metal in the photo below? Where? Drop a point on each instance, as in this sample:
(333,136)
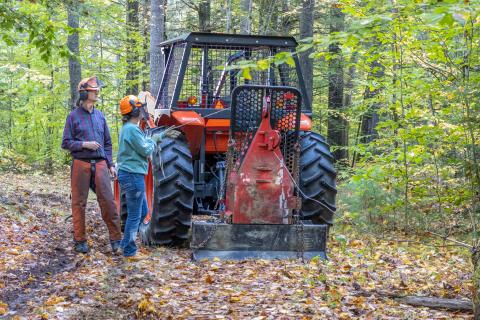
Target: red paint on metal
(261,191)
(305,123)
(193,125)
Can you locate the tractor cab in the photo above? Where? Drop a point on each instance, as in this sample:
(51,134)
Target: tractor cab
(200,69)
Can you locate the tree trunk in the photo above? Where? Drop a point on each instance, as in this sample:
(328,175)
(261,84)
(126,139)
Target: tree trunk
(204,16)
(268,18)
(74,68)
(370,118)
(306,63)
(228,26)
(284,20)
(246,13)
(337,124)
(157,30)
(132,46)
(476,282)
(48,165)
(146,17)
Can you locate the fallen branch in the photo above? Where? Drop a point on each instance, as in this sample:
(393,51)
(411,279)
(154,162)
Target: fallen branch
(437,303)
(430,302)
(463,244)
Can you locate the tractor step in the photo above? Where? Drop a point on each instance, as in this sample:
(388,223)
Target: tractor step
(257,241)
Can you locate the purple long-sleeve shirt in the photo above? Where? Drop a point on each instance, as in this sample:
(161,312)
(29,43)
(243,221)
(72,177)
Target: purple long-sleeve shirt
(82,126)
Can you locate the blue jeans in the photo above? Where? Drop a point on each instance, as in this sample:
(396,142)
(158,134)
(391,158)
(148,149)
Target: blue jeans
(133,184)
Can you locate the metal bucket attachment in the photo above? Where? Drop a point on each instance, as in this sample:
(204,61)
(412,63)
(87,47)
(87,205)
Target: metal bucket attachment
(257,241)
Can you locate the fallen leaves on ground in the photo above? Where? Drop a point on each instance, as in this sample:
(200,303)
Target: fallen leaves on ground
(41,276)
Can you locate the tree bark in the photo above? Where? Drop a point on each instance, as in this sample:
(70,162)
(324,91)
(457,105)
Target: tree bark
(337,124)
(306,31)
(437,303)
(268,17)
(157,30)
(284,19)
(228,26)
(370,118)
(132,46)
(73,44)
(204,23)
(476,282)
(246,22)
(146,17)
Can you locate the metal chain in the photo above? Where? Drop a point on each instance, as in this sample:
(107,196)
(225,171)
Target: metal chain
(209,237)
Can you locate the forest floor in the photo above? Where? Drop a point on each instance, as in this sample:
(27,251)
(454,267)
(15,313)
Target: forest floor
(41,276)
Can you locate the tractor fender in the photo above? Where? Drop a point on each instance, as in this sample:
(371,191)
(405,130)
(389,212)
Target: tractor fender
(192,125)
(305,123)
(288,123)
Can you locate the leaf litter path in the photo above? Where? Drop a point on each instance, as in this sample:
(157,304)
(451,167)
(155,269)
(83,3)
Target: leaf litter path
(41,277)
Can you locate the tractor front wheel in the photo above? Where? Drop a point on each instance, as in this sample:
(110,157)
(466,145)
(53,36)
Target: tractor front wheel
(173,194)
(317,179)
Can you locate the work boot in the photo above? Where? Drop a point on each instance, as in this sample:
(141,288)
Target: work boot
(82,247)
(115,246)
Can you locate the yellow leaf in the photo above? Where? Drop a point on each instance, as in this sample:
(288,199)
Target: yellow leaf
(246,74)
(44,316)
(13,252)
(146,306)
(208,279)
(234,299)
(3,308)
(53,300)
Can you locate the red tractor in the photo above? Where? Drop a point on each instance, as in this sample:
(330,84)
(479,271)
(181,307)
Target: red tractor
(247,156)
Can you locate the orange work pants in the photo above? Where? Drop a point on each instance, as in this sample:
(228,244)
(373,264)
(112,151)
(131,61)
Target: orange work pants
(80,184)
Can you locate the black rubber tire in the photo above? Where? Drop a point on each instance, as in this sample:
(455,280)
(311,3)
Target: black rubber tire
(317,179)
(123,210)
(173,194)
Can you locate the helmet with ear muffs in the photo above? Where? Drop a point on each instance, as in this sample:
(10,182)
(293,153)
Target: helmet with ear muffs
(130,104)
(88,84)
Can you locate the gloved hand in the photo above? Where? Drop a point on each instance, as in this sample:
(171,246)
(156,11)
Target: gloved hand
(157,137)
(173,134)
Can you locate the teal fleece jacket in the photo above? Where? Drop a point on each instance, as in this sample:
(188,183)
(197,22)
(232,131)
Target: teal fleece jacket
(134,149)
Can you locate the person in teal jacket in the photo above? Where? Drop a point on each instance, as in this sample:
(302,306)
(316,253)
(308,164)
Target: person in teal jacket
(132,162)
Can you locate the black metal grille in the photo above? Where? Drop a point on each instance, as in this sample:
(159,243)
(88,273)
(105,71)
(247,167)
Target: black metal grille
(246,115)
(209,76)
(285,117)
(171,75)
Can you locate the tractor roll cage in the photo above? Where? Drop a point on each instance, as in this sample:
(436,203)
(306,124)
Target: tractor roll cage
(197,65)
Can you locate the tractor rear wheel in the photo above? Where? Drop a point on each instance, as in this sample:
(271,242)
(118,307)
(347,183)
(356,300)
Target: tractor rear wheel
(173,194)
(317,179)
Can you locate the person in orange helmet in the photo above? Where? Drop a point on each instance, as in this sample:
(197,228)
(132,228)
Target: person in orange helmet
(87,137)
(132,163)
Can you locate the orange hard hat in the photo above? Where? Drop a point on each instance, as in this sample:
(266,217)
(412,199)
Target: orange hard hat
(127,103)
(90,84)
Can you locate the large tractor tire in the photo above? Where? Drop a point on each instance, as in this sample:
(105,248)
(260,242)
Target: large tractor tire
(173,194)
(317,179)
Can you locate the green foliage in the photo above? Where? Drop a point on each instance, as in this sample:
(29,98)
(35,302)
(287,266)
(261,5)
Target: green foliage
(421,172)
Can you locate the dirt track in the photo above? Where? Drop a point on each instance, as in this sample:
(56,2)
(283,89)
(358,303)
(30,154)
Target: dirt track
(42,277)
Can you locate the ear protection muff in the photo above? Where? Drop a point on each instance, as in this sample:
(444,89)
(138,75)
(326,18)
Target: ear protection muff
(83,95)
(135,109)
